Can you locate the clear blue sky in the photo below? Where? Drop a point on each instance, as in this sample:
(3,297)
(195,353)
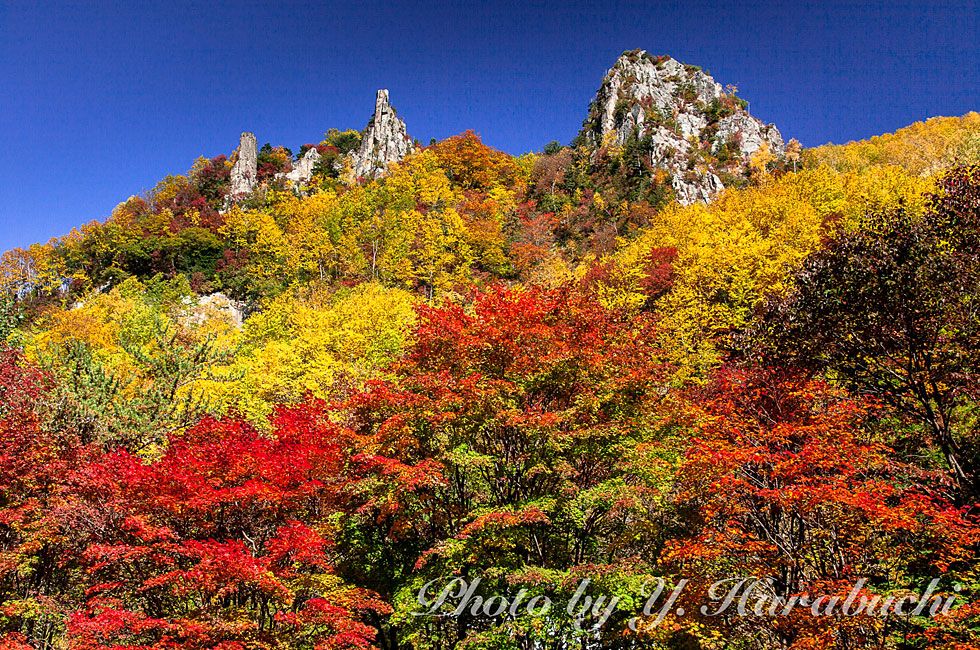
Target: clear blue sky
(100,100)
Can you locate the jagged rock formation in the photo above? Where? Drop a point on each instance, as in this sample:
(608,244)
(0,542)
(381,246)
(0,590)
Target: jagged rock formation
(245,169)
(751,134)
(302,171)
(385,140)
(690,126)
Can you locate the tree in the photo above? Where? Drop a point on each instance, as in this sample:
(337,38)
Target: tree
(129,368)
(316,347)
(552,148)
(785,482)
(222,540)
(514,444)
(793,148)
(891,310)
(471,165)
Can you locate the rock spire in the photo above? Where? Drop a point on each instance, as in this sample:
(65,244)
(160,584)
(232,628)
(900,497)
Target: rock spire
(385,140)
(245,169)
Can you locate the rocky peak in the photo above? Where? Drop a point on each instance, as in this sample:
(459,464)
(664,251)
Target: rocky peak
(690,126)
(245,169)
(385,140)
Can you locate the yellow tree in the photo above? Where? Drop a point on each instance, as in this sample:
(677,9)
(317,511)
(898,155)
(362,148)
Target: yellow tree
(732,253)
(439,256)
(319,346)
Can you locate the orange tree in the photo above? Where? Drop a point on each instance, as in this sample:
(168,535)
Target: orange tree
(786,483)
(517,445)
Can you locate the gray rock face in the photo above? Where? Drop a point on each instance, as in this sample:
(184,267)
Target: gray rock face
(385,140)
(245,169)
(696,186)
(688,118)
(750,134)
(303,170)
(640,89)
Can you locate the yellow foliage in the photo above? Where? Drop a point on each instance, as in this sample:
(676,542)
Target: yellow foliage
(37,268)
(293,348)
(924,148)
(525,162)
(261,234)
(114,324)
(732,253)
(759,161)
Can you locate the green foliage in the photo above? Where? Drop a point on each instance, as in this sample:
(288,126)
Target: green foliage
(344,141)
(130,363)
(10,316)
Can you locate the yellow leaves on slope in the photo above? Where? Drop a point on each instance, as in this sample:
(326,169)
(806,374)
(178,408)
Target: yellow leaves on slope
(406,228)
(922,149)
(439,256)
(419,176)
(294,348)
(36,268)
(734,252)
(260,233)
(124,321)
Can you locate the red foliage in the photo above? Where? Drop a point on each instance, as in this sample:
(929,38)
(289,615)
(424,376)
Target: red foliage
(504,410)
(658,272)
(38,463)
(232,520)
(535,238)
(224,540)
(784,484)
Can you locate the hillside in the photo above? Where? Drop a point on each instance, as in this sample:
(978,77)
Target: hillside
(284,399)
(924,148)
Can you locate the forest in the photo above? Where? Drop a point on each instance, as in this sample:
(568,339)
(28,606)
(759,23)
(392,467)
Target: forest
(272,423)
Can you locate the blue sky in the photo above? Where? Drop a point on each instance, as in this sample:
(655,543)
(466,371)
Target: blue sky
(101,100)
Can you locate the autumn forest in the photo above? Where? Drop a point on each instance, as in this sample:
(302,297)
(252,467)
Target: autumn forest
(268,421)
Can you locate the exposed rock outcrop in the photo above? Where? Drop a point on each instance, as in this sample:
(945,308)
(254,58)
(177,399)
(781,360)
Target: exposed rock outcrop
(214,306)
(245,169)
(385,140)
(303,169)
(750,133)
(691,127)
